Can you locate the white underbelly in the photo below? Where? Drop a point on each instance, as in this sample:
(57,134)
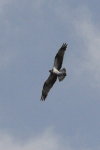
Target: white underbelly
(56,71)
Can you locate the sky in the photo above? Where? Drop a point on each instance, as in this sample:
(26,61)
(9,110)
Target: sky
(31,33)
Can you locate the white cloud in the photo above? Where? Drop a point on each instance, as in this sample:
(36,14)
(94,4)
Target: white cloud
(46,141)
(91,38)
(87,34)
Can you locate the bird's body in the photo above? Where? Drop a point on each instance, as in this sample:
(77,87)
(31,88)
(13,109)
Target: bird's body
(55,72)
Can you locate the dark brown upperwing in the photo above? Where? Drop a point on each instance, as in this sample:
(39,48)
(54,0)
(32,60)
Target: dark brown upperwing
(59,57)
(48,85)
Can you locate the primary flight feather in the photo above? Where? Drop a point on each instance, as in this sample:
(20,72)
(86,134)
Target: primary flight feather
(55,72)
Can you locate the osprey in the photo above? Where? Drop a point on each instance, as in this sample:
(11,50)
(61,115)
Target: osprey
(55,72)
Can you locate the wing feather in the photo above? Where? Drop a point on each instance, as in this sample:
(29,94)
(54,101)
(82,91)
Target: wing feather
(59,57)
(48,85)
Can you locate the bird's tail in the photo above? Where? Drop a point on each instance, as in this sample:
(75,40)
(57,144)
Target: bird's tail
(62,75)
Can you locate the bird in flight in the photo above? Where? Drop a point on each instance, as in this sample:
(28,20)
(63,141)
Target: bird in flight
(55,72)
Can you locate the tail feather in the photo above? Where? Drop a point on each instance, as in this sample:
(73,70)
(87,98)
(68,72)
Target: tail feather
(62,76)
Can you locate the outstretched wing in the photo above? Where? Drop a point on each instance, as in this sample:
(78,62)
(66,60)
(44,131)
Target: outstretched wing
(59,57)
(48,85)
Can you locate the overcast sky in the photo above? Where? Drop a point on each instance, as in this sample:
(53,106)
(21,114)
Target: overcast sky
(31,33)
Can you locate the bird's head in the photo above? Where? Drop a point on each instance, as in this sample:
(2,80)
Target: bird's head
(51,71)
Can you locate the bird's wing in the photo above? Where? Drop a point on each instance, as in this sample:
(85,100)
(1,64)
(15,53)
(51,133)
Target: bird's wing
(59,57)
(48,85)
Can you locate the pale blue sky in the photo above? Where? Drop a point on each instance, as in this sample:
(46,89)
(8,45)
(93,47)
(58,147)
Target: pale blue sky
(31,33)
